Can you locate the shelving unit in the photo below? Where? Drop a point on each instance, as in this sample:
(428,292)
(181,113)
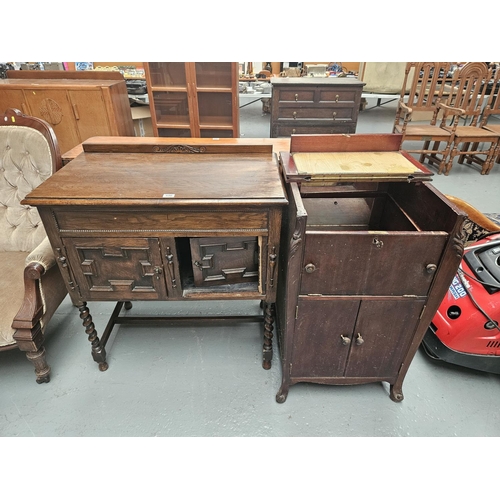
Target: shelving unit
(193,99)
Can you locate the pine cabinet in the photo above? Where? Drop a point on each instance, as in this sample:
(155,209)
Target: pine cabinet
(193,99)
(368,250)
(76,109)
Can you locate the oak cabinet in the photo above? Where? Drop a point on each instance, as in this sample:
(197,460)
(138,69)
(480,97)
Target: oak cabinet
(141,220)
(368,251)
(76,109)
(195,99)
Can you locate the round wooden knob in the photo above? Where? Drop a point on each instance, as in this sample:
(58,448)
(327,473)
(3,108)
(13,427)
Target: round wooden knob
(310,268)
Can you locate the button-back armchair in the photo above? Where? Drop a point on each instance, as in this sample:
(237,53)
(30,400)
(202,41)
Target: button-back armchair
(31,286)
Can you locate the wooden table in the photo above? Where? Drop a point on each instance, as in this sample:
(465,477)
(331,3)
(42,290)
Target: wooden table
(136,219)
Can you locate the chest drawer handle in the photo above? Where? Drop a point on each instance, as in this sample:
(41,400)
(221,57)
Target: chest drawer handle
(310,268)
(359,339)
(334,115)
(296,97)
(294,114)
(345,340)
(337,98)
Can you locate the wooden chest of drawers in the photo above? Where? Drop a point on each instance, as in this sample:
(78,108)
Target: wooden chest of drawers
(311,105)
(364,265)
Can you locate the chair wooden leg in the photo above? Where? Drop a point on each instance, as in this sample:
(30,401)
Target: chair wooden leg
(449,162)
(463,151)
(42,369)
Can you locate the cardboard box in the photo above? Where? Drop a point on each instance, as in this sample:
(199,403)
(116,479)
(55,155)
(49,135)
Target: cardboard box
(141,117)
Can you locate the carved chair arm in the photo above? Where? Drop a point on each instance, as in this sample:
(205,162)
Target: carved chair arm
(451,109)
(42,254)
(407,111)
(38,262)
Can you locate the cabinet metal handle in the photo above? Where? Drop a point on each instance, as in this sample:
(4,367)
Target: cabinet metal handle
(334,115)
(345,340)
(158,270)
(337,98)
(296,97)
(294,114)
(293,131)
(170,267)
(359,339)
(310,268)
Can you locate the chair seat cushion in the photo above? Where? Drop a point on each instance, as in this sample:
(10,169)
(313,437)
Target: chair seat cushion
(11,292)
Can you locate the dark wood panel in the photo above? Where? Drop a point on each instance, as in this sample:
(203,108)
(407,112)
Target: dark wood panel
(165,178)
(219,261)
(381,337)
(157,220)
(117,268)
(329,113)
(318,347)
(372,263)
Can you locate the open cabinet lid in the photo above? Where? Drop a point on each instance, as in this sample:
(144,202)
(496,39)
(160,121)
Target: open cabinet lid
(353,166)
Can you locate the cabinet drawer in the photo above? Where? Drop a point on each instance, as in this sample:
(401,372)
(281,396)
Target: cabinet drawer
(156,221)
(327,113)
(299,94)
(370,262)
(338,95)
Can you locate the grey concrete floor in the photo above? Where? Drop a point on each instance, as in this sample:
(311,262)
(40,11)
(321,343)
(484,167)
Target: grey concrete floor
(207,381)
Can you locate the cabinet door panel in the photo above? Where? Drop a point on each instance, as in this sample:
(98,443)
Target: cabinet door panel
(55,108)
(90,113)
(117,268)
(385,328)
(13,98)
(318,348)
(370,263)
(219,261)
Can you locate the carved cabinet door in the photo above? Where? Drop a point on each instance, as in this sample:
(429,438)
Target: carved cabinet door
(54,107)
(117,268)
(224,260)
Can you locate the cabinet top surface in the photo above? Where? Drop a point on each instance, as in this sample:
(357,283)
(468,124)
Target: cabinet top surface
(64,83)
(310,80)
(157,179)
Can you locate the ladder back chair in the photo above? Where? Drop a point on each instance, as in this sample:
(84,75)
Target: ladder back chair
(427,83)
(461,114)
(488,158)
